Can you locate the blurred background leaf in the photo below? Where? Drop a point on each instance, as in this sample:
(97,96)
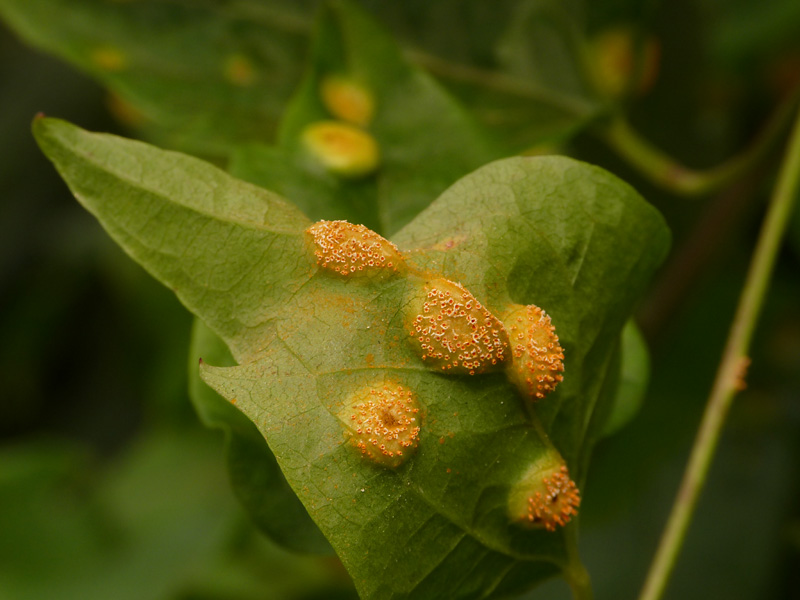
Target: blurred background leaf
(633,378)
(413,170)
(198,76)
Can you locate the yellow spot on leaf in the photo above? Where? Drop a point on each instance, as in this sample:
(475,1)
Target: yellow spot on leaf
(347,100)
(108,58)
(614,62)
(239,70)
(342,148)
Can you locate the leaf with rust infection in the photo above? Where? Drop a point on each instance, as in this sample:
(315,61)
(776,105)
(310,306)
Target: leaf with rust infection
(407,470)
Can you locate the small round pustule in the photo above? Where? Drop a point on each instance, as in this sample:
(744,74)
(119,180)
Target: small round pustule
(342,148)
(454,332)
(347,99)
(382,421)
(545,497)
(538,359)
(351,250)
(622,64)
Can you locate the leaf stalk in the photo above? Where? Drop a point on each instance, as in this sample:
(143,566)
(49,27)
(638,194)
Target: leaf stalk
(729,376)
(576,574)
(666,172)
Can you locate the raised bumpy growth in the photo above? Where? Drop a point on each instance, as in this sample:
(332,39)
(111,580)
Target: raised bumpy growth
(383,422)
(545,498)
(350,249)
(453,331)
(537,356)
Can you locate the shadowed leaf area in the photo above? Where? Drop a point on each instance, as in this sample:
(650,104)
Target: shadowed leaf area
(314,348)
(207,76)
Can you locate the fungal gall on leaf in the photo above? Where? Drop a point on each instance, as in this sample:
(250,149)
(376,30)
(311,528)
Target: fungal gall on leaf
(453,331)
(537,361)
(545,497)
(350,249)
(383,422)
(341,148)
(348,100)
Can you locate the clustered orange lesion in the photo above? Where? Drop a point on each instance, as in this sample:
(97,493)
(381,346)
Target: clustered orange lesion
(538,357)
(456,332)
(384,422)
(347,99)
(556,503)
(350,249)
(452,332)
(342,145)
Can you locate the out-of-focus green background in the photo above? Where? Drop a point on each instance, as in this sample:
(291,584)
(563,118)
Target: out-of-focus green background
(110,487)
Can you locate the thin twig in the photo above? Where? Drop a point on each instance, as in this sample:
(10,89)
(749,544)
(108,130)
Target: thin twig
(574,105)
(730,375)
(671,175)
(707,239)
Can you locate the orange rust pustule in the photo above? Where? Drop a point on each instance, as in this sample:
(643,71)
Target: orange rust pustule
(454,331)
(537,356)
(383,422)
(556,503)
(341,148)
(349,249)
(347,99)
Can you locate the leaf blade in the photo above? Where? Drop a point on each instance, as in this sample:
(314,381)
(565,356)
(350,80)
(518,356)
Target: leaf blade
(193,227)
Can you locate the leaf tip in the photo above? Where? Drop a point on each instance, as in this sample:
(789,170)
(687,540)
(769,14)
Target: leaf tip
(45,130)
(39,120)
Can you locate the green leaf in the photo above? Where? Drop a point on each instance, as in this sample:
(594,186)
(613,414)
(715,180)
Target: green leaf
(633,379)
(201,76)
(554,234)
(544,46)
(154,522)
(246,230)
(426,139)
(794,231)
(206,76)
(409,176)
(255,476)
(565,235)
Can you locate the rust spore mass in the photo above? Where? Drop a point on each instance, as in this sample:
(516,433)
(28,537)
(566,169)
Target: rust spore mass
(350,249)
(347,99)
(454,331)
(383,422)
(554,505)
(545,498)
(537,364)
(341,148)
